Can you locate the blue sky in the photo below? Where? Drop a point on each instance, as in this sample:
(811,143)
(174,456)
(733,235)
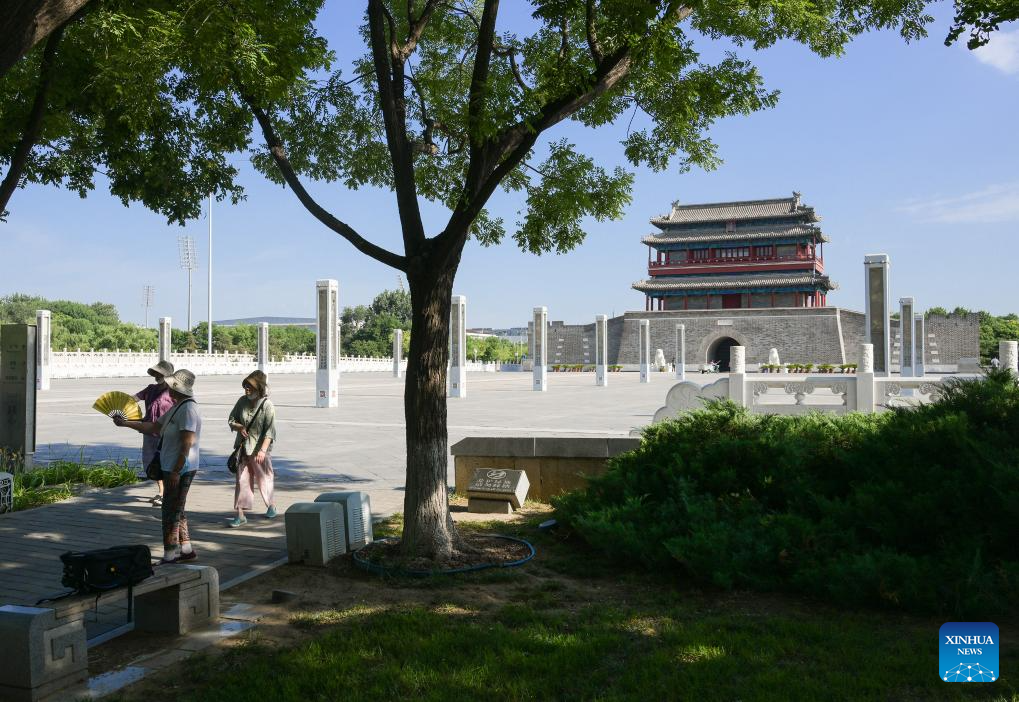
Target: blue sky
(910,150)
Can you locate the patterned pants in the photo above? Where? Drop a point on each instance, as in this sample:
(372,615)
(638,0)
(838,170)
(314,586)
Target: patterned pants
(175,522)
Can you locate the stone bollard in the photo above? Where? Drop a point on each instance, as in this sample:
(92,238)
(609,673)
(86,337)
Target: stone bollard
(680,352)
(644,339)
(601,350)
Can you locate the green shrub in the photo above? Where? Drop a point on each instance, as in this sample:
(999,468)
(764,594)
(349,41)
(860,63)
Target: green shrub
(913,509)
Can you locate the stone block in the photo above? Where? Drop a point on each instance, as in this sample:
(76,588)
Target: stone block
(483,506)
(499,484)
(494,446)
(42,654)
(179,609)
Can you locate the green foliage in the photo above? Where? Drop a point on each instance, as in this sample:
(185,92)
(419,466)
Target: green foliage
(907,509)
(76,325)
(368,330)
(981,18)
(493,348)
(141,93)
(61,480)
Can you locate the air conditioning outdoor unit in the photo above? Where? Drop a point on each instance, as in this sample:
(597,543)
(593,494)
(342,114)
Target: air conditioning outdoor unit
(357,510)
(315,533)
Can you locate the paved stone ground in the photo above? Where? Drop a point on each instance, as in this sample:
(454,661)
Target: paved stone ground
(358,445)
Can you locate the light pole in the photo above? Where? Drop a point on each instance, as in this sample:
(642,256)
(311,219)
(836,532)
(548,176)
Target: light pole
(210,274)
(148,295)
(189,262)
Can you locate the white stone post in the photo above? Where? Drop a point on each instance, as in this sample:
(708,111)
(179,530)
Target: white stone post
(17,390)
(644,342)
(164,338)
(865,380)
(738,375)
(1008,355)
(43,335)
(458,346)
(878,327)
(397,352)
(601,350)
(262,349)
(327,343)
(540,342)
(680,352)
(906,349)
(919,345)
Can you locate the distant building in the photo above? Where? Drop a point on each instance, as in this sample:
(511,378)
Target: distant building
(735,255)
(747,273)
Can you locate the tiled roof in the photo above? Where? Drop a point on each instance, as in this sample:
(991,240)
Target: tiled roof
(746,234)
(733,282)
(746,209)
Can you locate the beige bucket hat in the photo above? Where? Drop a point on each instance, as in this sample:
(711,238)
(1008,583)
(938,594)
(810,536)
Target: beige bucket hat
(163,368)
(182,381)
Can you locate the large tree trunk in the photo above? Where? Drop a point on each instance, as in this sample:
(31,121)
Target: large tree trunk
(24,23)
(428,529)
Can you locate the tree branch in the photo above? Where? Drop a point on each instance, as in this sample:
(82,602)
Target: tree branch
(511,53)
(279,155)
(24,23)
(592,36)
(416,28)
(390,77)
(33,125)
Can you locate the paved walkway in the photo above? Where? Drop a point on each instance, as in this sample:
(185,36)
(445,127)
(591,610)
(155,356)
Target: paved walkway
(356,446)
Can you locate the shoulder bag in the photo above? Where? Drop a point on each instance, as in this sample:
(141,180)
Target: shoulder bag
(235,457)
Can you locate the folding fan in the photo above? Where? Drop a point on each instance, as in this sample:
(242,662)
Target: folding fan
(117,403)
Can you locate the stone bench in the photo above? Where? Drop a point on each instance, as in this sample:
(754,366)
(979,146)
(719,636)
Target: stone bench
(553,464)
(45,646)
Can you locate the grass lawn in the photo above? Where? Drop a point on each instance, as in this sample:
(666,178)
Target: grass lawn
(564,627)
(61,480)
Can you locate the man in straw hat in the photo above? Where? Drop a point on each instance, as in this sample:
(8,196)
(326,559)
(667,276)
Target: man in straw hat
(179,430)
(157,401)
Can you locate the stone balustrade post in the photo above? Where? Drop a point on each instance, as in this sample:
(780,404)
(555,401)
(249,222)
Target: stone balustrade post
(865,390)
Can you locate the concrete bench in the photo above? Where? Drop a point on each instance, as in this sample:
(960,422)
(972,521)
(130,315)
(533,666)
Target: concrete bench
(553,464)
(45,646)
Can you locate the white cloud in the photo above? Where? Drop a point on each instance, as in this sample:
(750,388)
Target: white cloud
(995,203)
(1001,52)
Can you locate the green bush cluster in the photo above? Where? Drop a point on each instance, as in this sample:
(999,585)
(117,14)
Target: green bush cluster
(913,509)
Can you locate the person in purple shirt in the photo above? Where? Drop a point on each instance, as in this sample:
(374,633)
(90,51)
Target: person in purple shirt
(157,401)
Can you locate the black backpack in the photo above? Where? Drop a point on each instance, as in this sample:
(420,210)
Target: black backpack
(106,569)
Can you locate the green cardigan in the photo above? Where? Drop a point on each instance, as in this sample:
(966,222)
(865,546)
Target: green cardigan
(265,424)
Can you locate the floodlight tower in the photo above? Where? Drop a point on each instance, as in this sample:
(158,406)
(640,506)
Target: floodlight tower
(188,262)
(148,296)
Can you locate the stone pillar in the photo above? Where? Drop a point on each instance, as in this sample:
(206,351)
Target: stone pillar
(540,350)
(164,338)
(601,350)
(262,350)
(906,349)
(919,345)
(397,352)
(458,346)
(680,352)
(878,328)
(1008,355)
(43,338)
(17,389)
(644,349)
(865,380)
(737,374)
(327,343)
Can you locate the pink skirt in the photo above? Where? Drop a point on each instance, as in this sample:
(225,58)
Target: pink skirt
(251,473)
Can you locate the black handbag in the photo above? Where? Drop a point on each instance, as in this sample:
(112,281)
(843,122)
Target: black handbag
(235,457)
(154,470)
(106,569)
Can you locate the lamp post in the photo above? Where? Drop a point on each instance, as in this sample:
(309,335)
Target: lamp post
(188,262)
(210,274)
(148,295)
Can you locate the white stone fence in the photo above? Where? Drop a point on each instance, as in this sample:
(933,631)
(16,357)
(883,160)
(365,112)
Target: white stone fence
(800,394)
(130,364)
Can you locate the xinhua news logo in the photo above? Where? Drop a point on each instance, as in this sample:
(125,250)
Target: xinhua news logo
(968,652)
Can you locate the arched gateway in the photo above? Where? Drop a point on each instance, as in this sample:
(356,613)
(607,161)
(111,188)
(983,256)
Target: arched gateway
(719,352)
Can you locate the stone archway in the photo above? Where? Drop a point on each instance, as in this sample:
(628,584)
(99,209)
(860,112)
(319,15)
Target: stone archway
(719,352)
(716,346)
